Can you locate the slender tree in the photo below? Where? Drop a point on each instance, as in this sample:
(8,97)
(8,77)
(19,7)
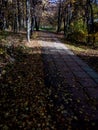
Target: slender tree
(28,20)
(59,15)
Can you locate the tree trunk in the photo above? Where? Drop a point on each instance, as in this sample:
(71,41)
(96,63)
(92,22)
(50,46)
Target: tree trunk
(90,23)
(37,23)
(23,17)
(64,26)
(59,17)
(28,20)
(15,17)
(32,24)
(19,14)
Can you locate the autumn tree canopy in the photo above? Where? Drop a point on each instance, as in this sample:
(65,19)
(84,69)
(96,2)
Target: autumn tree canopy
(66,15)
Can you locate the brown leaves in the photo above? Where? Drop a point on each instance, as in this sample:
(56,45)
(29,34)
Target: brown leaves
(27,102)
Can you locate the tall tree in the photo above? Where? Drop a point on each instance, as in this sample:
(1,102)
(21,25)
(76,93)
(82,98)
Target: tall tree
(19,14)
(28,20)
(90,17)
(59,15)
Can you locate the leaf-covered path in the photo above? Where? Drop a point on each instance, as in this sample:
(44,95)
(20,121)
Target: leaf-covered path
(48,88)
(73,84)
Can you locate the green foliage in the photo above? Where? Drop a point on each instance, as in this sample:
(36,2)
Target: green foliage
(77,31)
(79,26)
(47,28)
(77,36)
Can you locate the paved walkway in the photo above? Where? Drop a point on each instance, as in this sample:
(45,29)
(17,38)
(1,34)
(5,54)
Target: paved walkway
(65,72)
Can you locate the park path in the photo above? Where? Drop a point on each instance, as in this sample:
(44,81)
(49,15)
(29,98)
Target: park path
(48,88)
(72,82)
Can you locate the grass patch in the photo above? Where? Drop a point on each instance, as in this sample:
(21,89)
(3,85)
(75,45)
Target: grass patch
(50,29)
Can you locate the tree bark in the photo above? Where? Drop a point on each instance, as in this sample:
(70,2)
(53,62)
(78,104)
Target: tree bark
(19,14)
(32,24)
(59,17)
(90,23)
(28,20)
(37,23)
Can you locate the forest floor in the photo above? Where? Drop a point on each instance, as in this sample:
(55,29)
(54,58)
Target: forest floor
(27,102)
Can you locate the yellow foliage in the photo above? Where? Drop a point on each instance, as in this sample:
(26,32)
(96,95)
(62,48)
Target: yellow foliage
(93,35)
(96,36)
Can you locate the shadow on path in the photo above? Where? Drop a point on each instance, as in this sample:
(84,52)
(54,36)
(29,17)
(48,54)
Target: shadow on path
(63,97)
(73,86)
